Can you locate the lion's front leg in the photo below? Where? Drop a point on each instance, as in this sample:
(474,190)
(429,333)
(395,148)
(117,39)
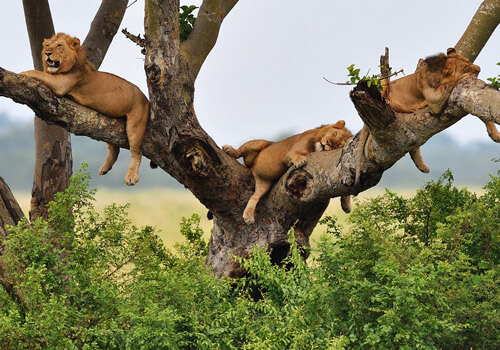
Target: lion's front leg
(59,84)
(295,158)
(111,158)
(261,188)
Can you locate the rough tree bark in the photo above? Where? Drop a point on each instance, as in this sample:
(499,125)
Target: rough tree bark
(53,159)
(177,143)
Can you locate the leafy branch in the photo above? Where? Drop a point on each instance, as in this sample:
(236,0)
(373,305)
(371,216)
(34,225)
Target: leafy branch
(186,23)
(354,77)
(186,20)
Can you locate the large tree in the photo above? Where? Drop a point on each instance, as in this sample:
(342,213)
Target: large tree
(177,143)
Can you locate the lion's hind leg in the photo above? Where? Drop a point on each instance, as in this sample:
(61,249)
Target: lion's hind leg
(261,188)
(249,150)
(111,158)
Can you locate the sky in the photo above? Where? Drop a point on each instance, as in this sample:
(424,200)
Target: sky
(264,77)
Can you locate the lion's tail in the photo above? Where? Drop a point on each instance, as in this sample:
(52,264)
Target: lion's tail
(363,137)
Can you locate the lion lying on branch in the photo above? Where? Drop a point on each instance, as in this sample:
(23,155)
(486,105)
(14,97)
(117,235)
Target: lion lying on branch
(268,160)
(430,86)
(66,71)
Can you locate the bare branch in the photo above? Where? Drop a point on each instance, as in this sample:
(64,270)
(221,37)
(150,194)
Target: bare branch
(135,38)
(204,35)
(480,28)
(474,96)
(10,212)
(103,29)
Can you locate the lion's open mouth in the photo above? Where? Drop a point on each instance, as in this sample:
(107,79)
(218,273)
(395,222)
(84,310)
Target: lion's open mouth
(52,64)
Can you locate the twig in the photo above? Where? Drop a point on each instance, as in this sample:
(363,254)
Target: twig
(379,76)
(136,39)
(331,82)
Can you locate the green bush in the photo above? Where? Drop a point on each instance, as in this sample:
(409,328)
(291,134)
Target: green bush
(416,273)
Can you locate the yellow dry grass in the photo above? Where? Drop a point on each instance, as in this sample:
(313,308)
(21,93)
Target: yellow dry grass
(164,208)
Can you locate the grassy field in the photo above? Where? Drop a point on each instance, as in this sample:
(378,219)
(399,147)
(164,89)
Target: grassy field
(164,208)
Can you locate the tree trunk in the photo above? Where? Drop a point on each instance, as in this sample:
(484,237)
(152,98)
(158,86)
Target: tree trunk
(53,159)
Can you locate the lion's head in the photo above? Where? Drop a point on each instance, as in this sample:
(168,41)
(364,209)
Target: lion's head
(61,53)
(449,68)
(334,137)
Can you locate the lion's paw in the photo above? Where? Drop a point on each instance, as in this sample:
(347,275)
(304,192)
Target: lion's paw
(229,150)
(423,168)
(104,170)
(131,179)
(248,217)
(298,163)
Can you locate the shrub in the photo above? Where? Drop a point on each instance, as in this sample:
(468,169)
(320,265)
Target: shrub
(416,273)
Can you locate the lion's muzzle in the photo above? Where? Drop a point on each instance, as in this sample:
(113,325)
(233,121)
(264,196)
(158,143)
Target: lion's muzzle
(52,66)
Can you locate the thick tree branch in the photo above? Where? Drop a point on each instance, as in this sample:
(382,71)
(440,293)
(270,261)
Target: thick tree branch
(407,131)
(61,111)
(39,24)
(53,158)
(204,35)
(103,29)
(480,28)
(473,96)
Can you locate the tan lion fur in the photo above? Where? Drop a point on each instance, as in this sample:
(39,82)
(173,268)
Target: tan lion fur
(68,72)
(431,84)
(268,160)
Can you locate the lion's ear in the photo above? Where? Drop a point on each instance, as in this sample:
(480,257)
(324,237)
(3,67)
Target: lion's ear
(74,42)
(339,124)
(451,51)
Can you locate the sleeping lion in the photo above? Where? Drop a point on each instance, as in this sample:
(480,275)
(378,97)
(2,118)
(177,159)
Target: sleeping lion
(431,86)
(268,160)
(67,72)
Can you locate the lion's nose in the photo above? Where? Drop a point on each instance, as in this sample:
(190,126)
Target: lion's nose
(48,54)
